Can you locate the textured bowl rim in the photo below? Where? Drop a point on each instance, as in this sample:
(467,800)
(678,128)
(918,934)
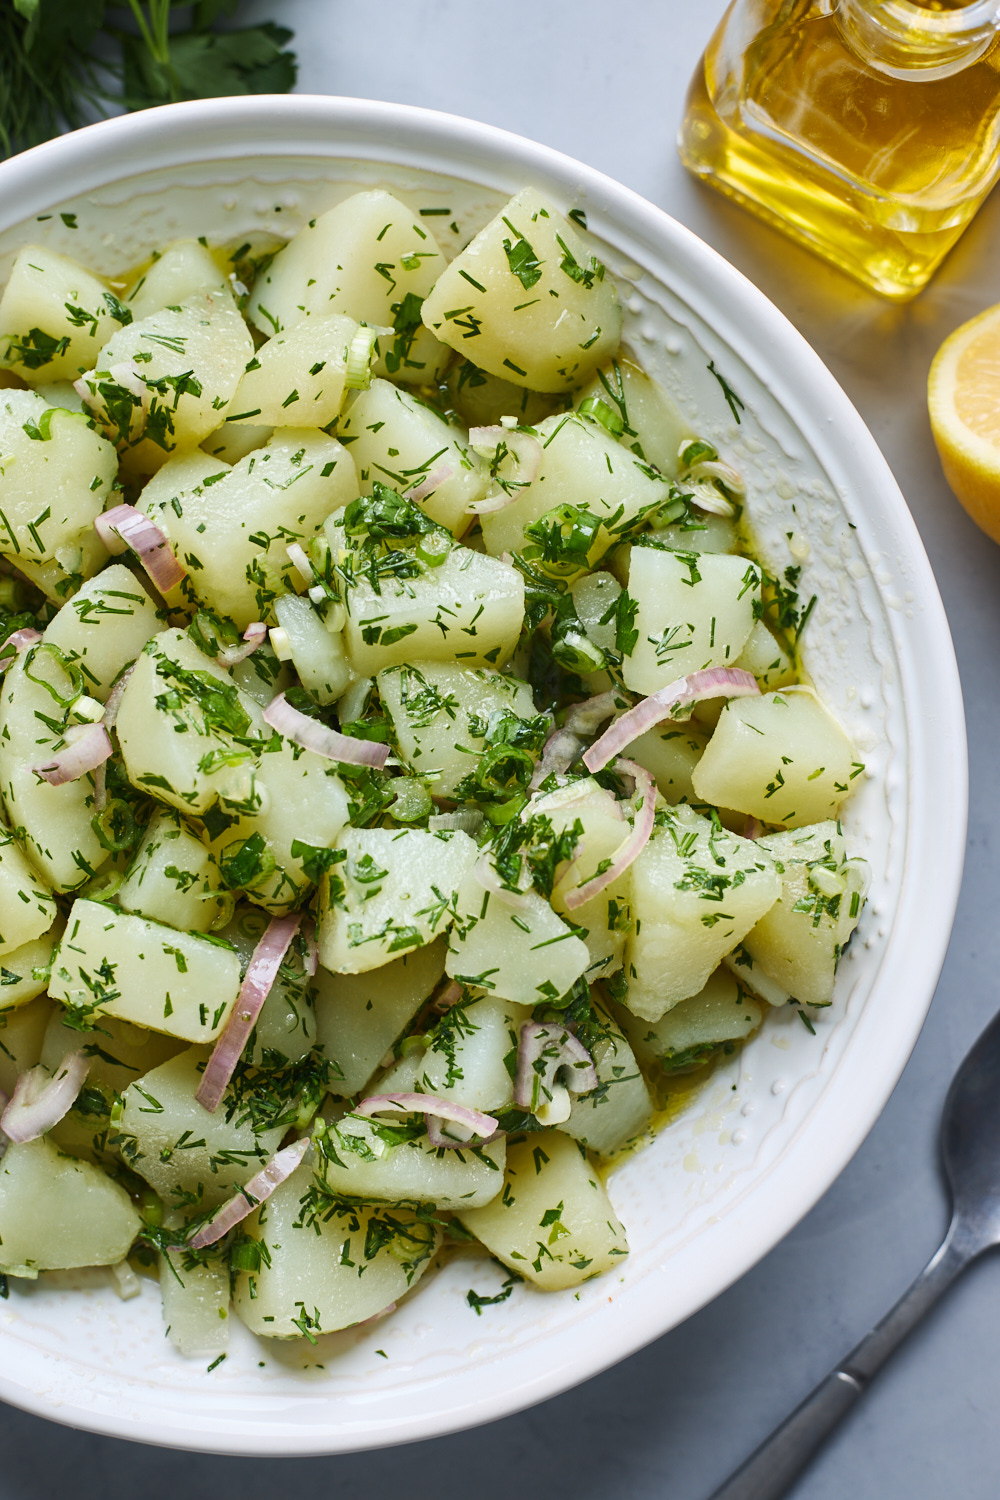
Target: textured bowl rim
(180,135)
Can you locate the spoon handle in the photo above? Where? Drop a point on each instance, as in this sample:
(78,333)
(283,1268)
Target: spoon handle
(769,1473)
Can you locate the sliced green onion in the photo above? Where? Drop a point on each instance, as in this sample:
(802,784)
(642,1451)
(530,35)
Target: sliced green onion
(245,1256)
(696,451)
(359,359)
(115,827)
(433,548)
(599,411)
(577,653)
(413,801)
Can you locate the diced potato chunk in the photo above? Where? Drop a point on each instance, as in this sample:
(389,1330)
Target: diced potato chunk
(53,823)
(359,1016)
(195,1300)
(521,952)
(689,1033)
(364,1160)
(318,653)
(581,466)
(54,317)
(104,626)
(232,532)
(180,983)
(57,1212)
(481,399)
(297,377)
(361,258)
(441,715)
(119,1052)
(799,941)
(620,1107)
(467,610)
(696,891)
(605,917)
(182,271)
(27,906)
(190,1157)
(464,1057)
(693,611)
(173,878)
(161,382)
(56,474)
(234,440)
(394,890)
(527,300)
(766,658)
(24,973)
(22,1031)
(554,1223)
(330,1266)
(399,441)
(670,753)
(652,426)
(780,758)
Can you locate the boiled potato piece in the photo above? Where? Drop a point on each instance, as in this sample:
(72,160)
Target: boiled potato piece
(481,399)
(365,1160)
(329,1267)
(620,1107)
(104,627)
(521,952)
(799,941)
(692,611)
(181,983)
(183,270)
(54,317)
(195,1300)
(464,1057)
(318,654)
(190,1157)
(468,611)
(161,382)
(119,1051)
(553,1223)
(595,598)
(187,734)
(173,878)
(441,716)
(401,442)
(297,377)
(57,1212)
(581,466)
(56,474)
(670,753)
(779,757)
(53,823)
(527,300)
(689,1033)
(24,972)
(234,440)
(651,425)
(766,658)
(232,530)
(27,906)
(755,978)
(361,258)
(22,1032)
(394,890)
(359,1016)
(601,830)
(696,891)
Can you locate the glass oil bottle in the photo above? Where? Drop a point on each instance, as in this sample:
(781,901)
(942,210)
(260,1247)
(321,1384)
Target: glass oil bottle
(868,130)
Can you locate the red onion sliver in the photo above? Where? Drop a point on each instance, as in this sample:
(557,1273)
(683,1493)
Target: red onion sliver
(87,747)
(123,526)
(436,1109)
(20,640)
(312,735)
(627,851)
(485,873)
(558,1048)
(449,996)
(752,828)
(564,745)
(255,635)
(526,450)
(41,1099)
(431,482)
(256,987)
(713,682)
(251,1194)
(115,697)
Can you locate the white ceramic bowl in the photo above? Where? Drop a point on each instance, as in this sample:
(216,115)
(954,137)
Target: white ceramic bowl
(771,1132)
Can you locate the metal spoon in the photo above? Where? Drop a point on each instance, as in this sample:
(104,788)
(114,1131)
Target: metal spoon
(970,1147)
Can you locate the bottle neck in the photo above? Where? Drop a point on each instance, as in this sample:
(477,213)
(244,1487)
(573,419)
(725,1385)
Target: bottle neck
(920,42)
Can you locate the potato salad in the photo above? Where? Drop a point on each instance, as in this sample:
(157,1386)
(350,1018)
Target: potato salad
(408,780)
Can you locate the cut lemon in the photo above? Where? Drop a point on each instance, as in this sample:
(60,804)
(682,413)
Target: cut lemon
(963,395)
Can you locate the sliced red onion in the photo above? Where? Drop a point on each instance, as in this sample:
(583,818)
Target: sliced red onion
(20,640)
(376,1317)
(543,1051)
(312,735)
(123,526)
(712,682)
(303,566)
(115,697)
(41,1099)
(565,743)
(251,1194)
(752,828)
(87,747)
(485,872)
(255,635)
(449,996)
(627,851)
(493,503)
(526,450)
(431,482)
(256,987)
(436,1110)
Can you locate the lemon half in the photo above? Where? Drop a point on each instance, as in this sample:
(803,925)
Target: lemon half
(963,396)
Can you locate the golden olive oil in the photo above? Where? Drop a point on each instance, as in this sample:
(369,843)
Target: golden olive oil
(868,131)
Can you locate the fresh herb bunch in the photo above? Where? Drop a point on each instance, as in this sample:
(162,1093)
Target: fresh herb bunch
(63,61)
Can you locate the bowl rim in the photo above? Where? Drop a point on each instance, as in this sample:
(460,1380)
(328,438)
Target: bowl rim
(336,128)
